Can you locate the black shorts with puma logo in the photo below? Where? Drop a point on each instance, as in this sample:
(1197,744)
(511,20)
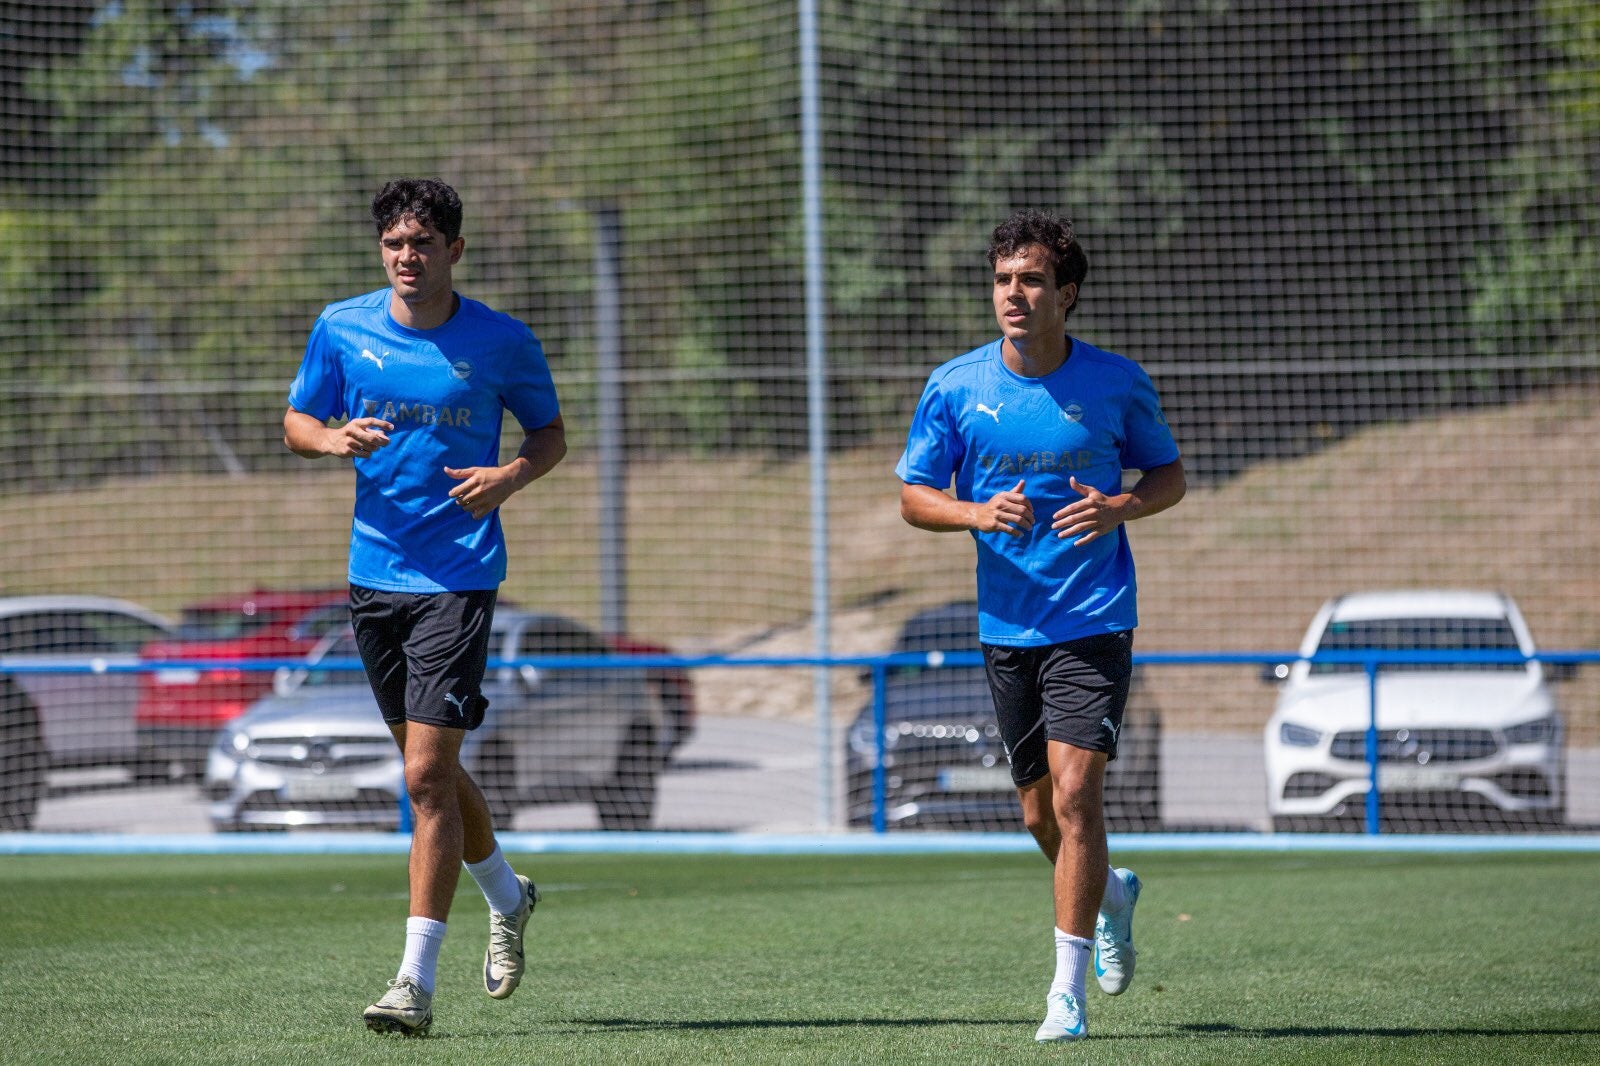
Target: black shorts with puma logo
(1073,692)
(425,653)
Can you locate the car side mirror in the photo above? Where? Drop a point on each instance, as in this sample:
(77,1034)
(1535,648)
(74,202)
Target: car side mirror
(1560,671)
(285,680)
(1275,673)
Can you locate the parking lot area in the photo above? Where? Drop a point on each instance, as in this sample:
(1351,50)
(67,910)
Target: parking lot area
(759,776)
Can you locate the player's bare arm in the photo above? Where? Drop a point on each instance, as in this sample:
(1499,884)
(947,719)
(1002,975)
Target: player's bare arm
(483,488)
(1097,514)
(310,438)
(927,508)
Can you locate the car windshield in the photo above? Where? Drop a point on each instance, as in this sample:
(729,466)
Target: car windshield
(342,649)
(949,629)
(75,632)
(213,624)
(1419,634)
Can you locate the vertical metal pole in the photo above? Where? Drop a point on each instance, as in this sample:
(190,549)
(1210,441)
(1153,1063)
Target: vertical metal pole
(1372,747)
(613,532)
(404,825)
(816,395)
(880,773)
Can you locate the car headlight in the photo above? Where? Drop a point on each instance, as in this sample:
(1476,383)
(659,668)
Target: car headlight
(1299,736)
(861,739)
(233,743)
(1538,731)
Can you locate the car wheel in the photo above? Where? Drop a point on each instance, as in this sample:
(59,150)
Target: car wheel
(1315,823)
(153,769)
(247,827)
(497,778)
(23,761)
(858,800)
(1133,788)
(628,800)
(675,711)
(1552,819)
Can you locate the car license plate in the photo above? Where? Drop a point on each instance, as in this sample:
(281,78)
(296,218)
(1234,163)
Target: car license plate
(1417,779)
(177,676)
(319,789)
(976,779)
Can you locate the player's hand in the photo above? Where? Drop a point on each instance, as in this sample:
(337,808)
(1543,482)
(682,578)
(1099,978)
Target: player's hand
(359,438)
(1093,516)
(1006,512)
(483,488)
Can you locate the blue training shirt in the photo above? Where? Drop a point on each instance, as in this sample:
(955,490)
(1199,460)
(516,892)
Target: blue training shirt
(988,428)
(445,391)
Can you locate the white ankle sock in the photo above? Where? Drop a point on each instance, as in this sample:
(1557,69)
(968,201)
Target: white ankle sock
(1116,894)
(498,881)
(1072,964)
(421,962)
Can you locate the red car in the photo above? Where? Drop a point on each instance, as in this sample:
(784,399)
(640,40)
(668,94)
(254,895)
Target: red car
(180,710)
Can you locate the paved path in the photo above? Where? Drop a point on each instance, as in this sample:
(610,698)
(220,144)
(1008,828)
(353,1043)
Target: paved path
(753,775)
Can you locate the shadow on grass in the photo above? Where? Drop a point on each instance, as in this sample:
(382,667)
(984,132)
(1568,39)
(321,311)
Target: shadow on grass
(1188,1031)
(1271,1032)
(627,1025)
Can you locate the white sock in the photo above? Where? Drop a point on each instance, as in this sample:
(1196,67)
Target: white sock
(498,881)
(1116,895)
(1072,963)
(421,962)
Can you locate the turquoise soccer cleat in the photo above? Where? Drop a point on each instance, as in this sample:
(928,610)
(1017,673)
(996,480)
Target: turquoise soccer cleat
(1113,940)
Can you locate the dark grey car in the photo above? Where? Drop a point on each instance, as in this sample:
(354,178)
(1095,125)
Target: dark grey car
(944,764)
(317,753)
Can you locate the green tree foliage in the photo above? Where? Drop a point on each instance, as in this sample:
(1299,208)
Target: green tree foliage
(1539,288)
(1254,179)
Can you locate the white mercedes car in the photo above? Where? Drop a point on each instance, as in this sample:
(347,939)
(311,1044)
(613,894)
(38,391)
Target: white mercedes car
(1460,745)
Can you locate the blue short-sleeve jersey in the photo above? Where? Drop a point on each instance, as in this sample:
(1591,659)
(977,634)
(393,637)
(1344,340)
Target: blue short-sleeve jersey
(445,391)
(987,427)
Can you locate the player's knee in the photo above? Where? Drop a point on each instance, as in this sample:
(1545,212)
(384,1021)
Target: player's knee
(431,783)
(1077,810)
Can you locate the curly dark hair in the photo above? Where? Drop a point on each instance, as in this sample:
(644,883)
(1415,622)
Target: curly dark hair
(428,200)
(1029,228)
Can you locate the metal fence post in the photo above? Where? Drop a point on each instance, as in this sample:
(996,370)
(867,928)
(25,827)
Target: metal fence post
(1372,747)
(404,824)
(880,784)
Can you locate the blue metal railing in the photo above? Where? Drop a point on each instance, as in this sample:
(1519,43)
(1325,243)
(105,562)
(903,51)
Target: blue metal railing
(1370,661)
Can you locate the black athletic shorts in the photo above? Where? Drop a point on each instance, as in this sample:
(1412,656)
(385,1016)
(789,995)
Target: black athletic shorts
(425,653)
(1073,692)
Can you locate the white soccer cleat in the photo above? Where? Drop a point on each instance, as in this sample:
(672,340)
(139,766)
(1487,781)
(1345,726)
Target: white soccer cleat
(1113,940)
(1063,1020)
(405,1009)
(503,963)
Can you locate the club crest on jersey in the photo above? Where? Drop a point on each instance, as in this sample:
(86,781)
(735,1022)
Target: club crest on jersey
(1073,411)
(461,369)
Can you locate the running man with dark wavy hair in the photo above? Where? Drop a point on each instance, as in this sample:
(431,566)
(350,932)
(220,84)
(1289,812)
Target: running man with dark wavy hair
(1038,420)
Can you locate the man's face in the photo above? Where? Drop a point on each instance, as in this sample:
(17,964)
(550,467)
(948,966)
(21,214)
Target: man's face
(418,260)
(1027,303)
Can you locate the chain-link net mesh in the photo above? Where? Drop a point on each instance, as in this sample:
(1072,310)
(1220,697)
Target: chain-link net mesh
(1355,244)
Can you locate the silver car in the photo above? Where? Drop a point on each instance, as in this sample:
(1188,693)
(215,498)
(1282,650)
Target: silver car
(317,752)
(82,718)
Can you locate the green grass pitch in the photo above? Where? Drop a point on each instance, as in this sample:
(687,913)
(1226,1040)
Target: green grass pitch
(1243,958)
